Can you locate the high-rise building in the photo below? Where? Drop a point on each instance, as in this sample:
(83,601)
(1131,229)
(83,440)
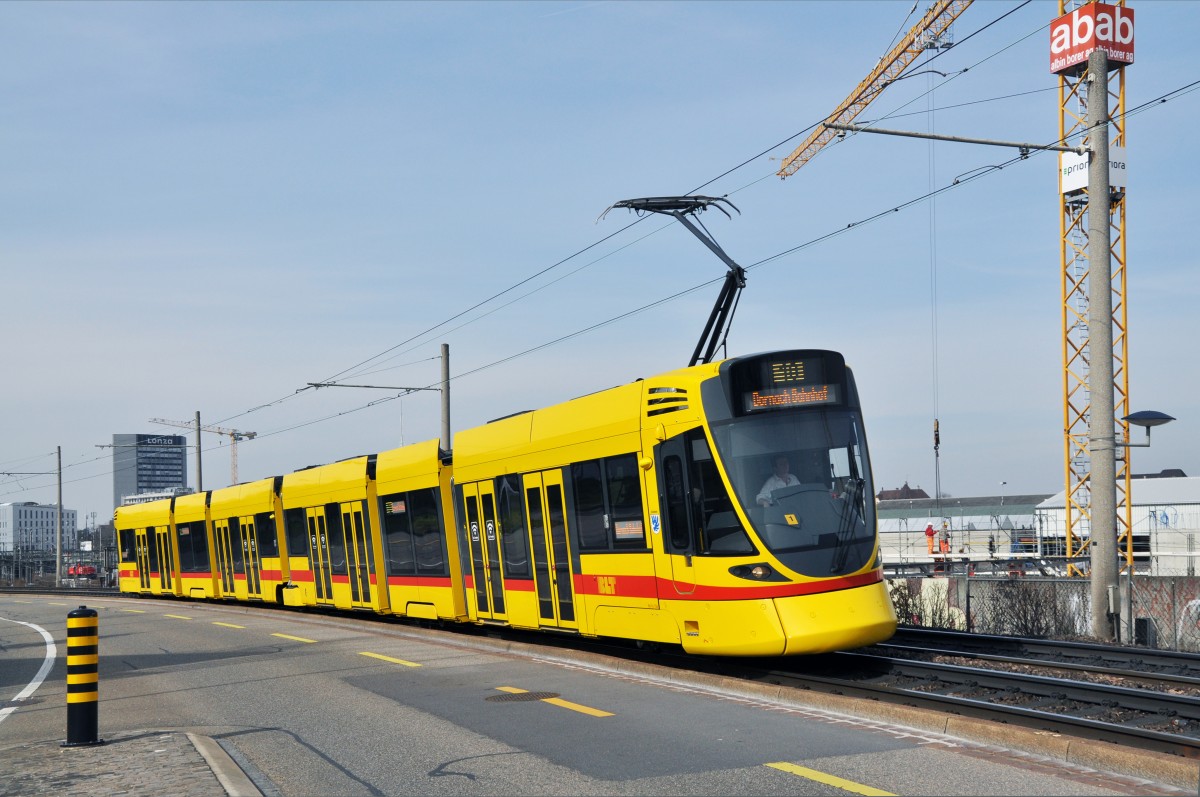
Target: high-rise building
(147,463)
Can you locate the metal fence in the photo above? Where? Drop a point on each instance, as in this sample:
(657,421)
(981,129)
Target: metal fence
(1164,611)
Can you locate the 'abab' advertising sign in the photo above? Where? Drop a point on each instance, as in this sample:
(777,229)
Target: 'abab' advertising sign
(1074,36)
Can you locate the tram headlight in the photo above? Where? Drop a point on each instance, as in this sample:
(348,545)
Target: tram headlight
(759,571)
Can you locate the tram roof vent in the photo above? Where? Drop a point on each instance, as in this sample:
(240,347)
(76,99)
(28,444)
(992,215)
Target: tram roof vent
(666,399)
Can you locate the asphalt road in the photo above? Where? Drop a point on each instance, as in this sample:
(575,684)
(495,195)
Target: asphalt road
(311,705)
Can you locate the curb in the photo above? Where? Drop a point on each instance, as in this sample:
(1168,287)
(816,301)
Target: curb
(229,774)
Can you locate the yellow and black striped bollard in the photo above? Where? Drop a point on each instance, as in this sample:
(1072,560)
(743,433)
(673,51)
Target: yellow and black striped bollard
(83,678)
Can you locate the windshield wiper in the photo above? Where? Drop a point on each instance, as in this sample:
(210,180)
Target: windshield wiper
(846,528)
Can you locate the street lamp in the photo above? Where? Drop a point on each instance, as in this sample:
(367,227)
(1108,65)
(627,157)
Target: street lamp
(1145,419)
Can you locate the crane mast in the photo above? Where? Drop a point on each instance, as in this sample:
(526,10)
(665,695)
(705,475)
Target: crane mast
(1081,281)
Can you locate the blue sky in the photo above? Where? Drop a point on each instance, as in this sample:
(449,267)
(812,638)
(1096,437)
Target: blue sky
(209,205)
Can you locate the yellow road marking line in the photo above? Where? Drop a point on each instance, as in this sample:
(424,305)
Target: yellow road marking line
(52,603)
(595,712)
(296,638)
(558,701)
(177,616)
(228,625)
(135,611)
(389,658)
(831,780)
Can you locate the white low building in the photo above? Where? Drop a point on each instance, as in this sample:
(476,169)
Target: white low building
(1165,516)
(28,526)
(976,528)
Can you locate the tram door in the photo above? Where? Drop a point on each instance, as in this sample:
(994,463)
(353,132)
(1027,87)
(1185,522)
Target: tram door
(162,559)
(237,557)
(480,513)
(228,555)
(318,553)
(143,557)
(357,559)
(675,492)
(551,550)
(249,546)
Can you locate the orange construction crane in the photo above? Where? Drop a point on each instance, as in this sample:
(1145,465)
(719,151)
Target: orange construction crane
(919,38)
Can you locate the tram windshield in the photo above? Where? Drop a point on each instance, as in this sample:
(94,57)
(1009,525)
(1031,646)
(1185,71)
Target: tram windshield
(804,480)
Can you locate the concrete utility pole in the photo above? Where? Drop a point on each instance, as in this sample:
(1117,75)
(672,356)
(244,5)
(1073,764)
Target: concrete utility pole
(199,469)
(443,387)
(445,443)
(1101,426)
(58,525)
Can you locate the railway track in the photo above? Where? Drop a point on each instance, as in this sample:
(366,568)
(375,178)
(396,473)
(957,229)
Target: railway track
(64,593)
(1132,696)
(1137,717)
(1161,669)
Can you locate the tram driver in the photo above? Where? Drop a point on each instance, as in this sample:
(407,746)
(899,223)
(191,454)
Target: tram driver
(780,478)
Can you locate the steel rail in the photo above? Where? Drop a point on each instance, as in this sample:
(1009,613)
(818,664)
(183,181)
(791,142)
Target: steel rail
(1164,664)
(977,706)
(1043,686)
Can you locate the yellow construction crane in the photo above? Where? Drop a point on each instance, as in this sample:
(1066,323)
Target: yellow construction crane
(234,436)
(1079,291)
(935,22)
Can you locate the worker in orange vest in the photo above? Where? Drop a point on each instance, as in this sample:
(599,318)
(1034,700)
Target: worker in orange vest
(929,535)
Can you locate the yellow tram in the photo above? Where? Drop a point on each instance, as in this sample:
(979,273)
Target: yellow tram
(724,507)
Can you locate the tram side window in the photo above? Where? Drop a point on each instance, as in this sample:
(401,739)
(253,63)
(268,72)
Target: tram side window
(712,509)
(589,505)
(514,539)
(412,530)
(126,537)
(398,536)
(608,504)
(297,532)
(193,548)
(625,501)
(200,555)
(184,533)
(427,533)
(264,532)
